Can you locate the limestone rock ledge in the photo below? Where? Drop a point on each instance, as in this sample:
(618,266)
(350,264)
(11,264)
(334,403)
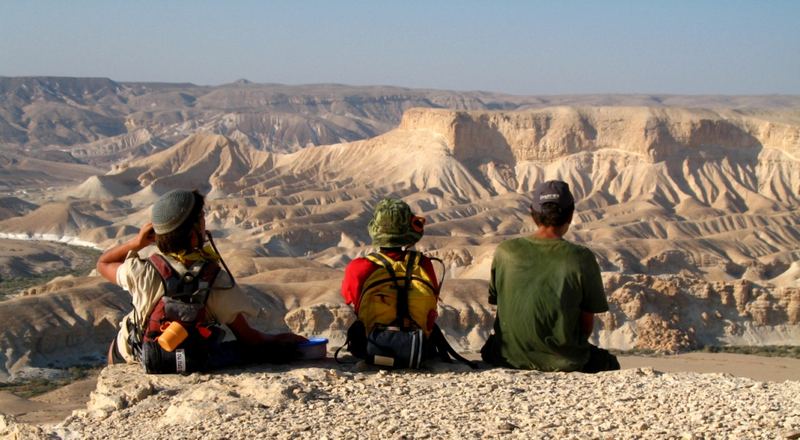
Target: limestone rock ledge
(327,400)
(671,313)
(550,133)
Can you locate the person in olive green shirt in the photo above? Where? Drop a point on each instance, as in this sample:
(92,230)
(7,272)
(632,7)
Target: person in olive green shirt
(547,291)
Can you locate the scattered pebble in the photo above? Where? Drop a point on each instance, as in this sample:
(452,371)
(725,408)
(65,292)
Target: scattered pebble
(349,402)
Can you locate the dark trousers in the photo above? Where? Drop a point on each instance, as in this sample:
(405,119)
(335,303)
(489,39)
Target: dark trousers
(600,360)
(230,354)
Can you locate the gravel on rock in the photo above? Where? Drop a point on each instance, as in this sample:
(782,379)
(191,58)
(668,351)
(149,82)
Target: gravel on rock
(330,401)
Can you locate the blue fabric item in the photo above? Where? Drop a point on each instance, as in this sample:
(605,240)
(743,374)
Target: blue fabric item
(313,341)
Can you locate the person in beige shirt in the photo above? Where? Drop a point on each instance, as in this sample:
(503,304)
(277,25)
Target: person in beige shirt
(178,231)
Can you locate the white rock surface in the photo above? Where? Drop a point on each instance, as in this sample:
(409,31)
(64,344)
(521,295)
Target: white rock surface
(326,400)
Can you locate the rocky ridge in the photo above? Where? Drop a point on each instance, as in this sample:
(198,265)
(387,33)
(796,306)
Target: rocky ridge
(645,215)
(692,214)
(102,121)
(654,133)
(328,401)
(70,320)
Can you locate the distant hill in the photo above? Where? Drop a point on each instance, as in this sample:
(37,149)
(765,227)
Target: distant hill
(659,190)
(691,212)
(101,121)
(689,202)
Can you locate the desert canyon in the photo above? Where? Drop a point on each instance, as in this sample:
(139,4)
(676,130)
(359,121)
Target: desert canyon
(689,202)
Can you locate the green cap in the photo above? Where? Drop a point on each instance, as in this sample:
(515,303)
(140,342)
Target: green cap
(171,210)
(391,225)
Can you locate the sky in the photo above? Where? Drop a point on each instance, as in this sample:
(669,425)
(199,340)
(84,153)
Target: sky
(519,47)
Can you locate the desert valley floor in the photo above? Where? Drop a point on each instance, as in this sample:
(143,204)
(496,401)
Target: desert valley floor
(689,203)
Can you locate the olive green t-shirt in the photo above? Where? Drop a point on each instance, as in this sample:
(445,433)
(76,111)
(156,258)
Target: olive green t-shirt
(540,287)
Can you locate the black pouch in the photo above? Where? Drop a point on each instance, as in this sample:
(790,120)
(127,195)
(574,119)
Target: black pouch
(395,348)
(183,360)
(357,340)
(177,310)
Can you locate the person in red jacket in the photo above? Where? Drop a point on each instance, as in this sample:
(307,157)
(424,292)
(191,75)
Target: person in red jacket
(393,229)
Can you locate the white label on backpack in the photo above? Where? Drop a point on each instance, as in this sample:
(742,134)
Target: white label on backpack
(412,355)
(383,360)
(180,361)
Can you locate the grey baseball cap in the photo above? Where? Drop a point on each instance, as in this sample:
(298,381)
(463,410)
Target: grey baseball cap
(553,191)
(171,210)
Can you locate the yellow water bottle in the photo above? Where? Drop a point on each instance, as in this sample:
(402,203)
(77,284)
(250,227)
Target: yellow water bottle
(172,334)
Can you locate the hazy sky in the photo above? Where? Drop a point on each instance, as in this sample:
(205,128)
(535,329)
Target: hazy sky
(521,47)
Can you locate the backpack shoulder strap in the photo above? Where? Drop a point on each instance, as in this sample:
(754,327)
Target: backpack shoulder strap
(382,260)
(439,260)
(208,271)
(205,281)
(161,265)
(193,286)
(412,259)
(169,279)
(445,350)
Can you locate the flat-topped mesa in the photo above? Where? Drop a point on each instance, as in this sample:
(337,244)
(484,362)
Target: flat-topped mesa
(653,133)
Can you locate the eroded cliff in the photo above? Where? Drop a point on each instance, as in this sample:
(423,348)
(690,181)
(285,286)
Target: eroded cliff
(551,133)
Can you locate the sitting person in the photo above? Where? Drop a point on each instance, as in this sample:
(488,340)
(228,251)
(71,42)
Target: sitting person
(393,229)
(182,290)
(394,290)
(547,291)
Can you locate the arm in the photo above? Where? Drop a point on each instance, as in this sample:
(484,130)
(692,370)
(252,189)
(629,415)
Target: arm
(262,347)
(250,336)
(587,323)
(492,287)
(112,259)
(349,286)
(594,297)
(354,276)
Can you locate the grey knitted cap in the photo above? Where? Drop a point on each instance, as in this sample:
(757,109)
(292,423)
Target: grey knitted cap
(171,210)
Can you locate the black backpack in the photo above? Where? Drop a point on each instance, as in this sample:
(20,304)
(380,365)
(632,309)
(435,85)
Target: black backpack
(184,301)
